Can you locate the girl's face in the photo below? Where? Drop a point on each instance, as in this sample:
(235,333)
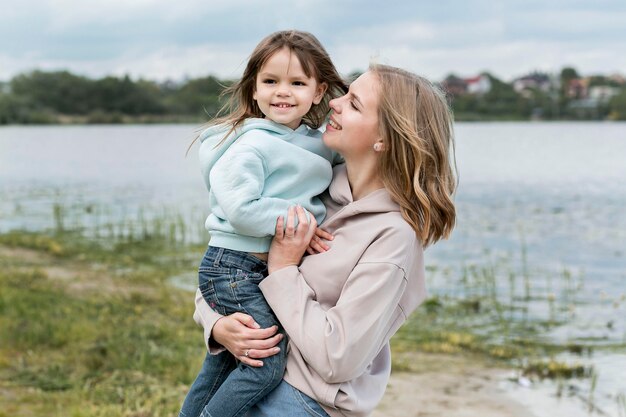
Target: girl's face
(283,92)
(353,126)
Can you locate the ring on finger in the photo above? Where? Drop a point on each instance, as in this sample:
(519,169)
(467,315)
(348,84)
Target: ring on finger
(247,353)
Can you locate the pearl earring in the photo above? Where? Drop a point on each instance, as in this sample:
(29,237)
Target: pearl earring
(377,147)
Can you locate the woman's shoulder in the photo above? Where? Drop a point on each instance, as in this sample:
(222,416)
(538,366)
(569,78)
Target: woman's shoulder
(385,238)
(395,229)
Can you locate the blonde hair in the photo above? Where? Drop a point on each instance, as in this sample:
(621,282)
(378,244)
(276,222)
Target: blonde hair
(315,62)
(418,166)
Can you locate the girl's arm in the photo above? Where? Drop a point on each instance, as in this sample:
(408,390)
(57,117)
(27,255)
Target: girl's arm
(237,181)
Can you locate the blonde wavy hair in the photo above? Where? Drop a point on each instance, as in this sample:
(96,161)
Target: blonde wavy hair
(418,167)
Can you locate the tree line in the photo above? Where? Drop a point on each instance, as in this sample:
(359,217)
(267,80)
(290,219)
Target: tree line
(53,97)
(62,97)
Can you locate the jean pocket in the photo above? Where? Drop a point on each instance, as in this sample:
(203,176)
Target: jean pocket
(207,286)
(246,286)
(251,277)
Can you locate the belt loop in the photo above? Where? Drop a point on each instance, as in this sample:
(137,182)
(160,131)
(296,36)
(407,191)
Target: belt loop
(218,257)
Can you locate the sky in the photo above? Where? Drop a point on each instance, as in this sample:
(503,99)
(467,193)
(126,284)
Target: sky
(176,40)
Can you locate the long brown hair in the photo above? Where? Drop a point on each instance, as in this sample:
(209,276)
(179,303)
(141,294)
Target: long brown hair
(418,165)
(315,62)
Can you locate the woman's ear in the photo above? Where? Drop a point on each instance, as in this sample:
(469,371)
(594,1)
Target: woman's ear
(319,94)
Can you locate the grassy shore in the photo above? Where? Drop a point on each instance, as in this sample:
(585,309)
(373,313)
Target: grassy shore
(93,327)
(89,330)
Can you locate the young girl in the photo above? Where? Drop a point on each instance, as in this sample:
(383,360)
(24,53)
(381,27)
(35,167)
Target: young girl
(259,160)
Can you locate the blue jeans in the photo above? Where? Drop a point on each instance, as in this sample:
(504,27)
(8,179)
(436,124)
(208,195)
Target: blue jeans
(287,401)
(229,282)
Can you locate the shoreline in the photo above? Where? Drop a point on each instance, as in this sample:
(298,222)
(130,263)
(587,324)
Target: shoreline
(461,386)
(107,298)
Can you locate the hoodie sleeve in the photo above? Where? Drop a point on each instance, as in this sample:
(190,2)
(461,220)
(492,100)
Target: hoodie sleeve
(206,317)
(237,181)
(341,342)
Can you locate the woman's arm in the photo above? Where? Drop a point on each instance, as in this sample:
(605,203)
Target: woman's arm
(340,342)
(206,317)
(236,333)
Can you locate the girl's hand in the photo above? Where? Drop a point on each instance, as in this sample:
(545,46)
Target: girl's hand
(316,245)
(242,337)
(290,242)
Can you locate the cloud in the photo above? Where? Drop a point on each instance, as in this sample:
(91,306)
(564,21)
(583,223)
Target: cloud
(162,39)
(169,62)
(583,26)
(177,63)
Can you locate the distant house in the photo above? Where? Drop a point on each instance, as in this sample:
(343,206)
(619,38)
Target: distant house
(584,108)
(584,104)
(480,84)
(535,81)
(603,93)
(456,86)
(577,88)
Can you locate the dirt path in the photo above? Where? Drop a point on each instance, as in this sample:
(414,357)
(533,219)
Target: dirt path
(437,385)
(448,386)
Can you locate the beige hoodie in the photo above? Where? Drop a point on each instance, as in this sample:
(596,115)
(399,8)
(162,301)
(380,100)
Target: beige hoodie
(341,307)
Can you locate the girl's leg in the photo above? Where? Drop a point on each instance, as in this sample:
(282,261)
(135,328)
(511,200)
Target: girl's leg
(246,385)
(214,372)
(212,279)
(286,400)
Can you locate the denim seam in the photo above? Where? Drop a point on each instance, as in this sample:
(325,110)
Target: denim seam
(218,257)
(296,393)
(234,295)
(234,289)
(260,394)
(215,386)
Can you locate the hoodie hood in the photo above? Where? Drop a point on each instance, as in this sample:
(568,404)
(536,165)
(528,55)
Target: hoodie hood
(378,201)
(210,152)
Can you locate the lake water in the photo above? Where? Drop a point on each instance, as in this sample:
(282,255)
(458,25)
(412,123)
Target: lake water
(540,200)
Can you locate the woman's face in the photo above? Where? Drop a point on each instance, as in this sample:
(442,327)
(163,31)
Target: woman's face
(353,126)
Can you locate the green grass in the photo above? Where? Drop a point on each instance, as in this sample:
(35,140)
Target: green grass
(91,327)
(111,341)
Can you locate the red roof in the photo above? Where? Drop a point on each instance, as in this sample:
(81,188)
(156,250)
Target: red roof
(472,80)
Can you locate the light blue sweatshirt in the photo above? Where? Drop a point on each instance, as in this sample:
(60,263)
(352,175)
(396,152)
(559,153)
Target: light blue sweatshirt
(256,174)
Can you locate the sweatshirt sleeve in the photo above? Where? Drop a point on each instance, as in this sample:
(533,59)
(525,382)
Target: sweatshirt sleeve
(237,181)
(339,343)
(206,317)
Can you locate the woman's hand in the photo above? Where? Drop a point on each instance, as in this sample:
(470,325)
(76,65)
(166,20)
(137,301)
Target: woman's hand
(290,242)
(244,338)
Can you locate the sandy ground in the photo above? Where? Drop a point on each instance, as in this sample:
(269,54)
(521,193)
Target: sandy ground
(451,386)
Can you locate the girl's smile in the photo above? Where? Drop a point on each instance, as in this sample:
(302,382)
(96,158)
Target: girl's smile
(283,91)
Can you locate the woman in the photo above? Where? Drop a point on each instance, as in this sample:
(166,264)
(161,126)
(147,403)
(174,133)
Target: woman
(341,306)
